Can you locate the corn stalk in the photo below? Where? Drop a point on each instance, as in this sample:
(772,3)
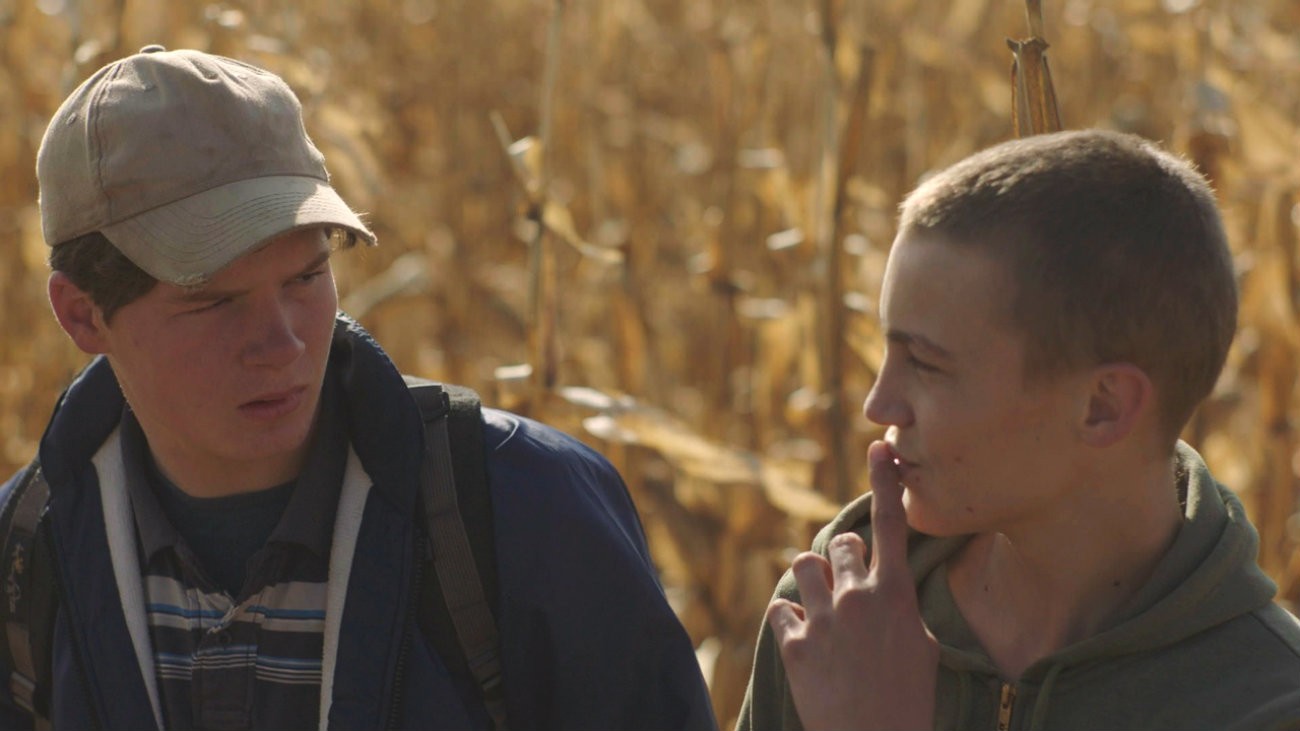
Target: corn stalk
(543,297)
(1033,100)
(530,164)
(840,150)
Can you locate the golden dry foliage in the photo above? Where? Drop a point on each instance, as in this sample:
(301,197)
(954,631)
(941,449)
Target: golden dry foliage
(678,213)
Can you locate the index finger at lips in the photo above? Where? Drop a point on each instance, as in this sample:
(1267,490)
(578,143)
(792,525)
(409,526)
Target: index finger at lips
(888,518)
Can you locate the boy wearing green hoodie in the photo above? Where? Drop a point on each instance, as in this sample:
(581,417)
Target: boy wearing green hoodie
(1044,551)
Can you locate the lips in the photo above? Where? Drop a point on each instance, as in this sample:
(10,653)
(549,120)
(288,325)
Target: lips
(900,460)
(274,404)
(891,440)
(907,472)
(906,467)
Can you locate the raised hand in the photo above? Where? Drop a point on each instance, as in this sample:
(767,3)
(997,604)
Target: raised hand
(857,655)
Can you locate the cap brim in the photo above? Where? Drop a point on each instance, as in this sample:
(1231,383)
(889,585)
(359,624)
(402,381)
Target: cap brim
(189,240)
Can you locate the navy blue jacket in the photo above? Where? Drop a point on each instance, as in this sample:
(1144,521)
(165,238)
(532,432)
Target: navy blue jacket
(587,638)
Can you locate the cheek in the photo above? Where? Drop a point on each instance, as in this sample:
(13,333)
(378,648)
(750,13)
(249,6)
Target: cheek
(971,447)
(1029,426)
(321,309)
(163,392)
(321,332)
(954,436)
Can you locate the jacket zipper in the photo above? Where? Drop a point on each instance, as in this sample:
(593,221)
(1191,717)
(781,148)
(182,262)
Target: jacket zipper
(399,672)
(1005,705)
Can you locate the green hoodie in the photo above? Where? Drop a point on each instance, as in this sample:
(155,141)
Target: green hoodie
(1205,647)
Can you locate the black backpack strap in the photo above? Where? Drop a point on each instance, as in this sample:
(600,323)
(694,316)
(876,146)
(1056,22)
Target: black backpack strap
(469,465)
(27,610)
(458,513)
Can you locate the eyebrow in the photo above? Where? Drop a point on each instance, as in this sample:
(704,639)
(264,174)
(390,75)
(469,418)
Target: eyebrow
(910,339)
(212,295)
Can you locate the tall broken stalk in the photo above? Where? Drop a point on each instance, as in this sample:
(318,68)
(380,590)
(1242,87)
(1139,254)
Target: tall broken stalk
(529,161)
(542,295)
(1033,99)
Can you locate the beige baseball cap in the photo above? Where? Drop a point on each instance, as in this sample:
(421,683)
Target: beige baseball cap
(185,161)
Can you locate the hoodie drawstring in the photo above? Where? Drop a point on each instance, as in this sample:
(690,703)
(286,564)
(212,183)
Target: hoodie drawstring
(1039,716)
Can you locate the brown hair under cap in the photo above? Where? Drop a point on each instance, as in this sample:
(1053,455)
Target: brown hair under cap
(113,281)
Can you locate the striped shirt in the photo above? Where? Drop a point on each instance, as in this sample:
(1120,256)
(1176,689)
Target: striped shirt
(252,660)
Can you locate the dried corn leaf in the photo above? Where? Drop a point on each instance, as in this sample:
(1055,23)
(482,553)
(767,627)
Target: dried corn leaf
(559,220)
(625,421)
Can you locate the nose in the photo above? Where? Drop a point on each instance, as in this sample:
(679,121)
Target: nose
(274,341)
(885,404)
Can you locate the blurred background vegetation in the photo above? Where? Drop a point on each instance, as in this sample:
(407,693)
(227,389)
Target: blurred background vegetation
(661,224)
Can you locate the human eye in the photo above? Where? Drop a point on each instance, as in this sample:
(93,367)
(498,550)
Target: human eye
(309,277)
(921,366)
(211,306)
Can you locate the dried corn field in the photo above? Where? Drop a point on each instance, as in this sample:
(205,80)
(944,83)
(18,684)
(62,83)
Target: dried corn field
(661,224)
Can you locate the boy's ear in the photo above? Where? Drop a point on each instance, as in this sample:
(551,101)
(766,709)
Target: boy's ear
(1121,397)
(79,317)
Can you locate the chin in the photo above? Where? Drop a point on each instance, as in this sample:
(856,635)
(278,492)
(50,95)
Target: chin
(286,439)
(924,518)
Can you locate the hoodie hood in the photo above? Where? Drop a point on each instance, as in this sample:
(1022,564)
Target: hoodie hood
(1207,577)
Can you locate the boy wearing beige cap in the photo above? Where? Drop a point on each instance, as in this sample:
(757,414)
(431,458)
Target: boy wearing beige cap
(252,519)
(1044,552)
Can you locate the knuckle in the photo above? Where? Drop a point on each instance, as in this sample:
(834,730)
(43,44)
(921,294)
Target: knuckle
(887,512)
(900,603)
(794,650)
(820,621)
(842,540)
(894,584)
(856,598)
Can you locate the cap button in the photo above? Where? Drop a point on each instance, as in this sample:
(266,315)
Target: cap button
(152,48)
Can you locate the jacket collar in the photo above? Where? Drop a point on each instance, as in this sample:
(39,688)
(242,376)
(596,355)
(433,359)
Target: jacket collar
(384,427)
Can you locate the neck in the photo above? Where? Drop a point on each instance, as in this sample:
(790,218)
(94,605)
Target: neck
(215,478)
(228,479)
(1034,588)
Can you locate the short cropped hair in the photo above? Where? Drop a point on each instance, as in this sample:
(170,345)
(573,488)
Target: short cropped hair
(112,280)
(1116,249)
